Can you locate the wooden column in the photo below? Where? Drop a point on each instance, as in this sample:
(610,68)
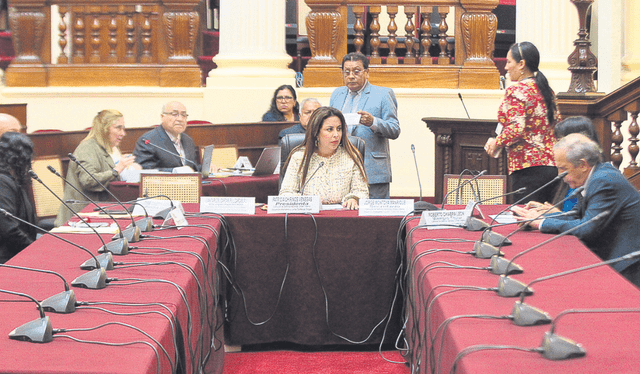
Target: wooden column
(478,28)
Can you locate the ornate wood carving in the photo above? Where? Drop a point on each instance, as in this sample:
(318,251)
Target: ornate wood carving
(410,29)
(182,30)
(479,35)
(425,28)
(323,28)
(633,108)
(115,42)
(28,44)
(392,41)
(478,72)
(582,62)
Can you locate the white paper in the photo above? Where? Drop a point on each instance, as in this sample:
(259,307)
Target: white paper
(228,205)
(352,120)
(133,176)
(178,218)
(153,206)
(293,204)
(385,207)
(331,207)
(504,217)
(182,170)
(243,163)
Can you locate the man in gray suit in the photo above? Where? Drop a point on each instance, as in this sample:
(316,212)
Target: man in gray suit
(378,110)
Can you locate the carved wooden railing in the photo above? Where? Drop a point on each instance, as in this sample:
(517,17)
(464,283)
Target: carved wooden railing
(609,113)
(470,66)
(115,42)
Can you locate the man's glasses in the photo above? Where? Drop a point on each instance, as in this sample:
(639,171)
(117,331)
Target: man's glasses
(176,114)
(284,98)
(356,72)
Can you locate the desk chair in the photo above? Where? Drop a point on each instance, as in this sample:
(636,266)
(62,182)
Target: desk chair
(290,141)
(487,186)
(45,204)
(186,188)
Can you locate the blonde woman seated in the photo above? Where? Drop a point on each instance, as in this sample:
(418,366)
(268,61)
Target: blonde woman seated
(326,163)
(99,153)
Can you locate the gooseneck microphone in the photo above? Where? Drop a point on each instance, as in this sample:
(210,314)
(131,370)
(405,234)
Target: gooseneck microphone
(444,199)
(321,164)
(132,233)
(420,206)
(474,224)
(464,106)
(525,315)
(118,246)
(96,278)
(184,159)
(64,302)
(508,287)
(490,238)
(37,331)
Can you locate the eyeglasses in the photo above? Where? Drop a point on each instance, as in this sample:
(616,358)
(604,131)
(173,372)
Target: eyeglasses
(356,72)
(176,114)
(284,98)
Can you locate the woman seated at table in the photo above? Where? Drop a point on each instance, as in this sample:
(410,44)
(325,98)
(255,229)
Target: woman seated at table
(16,151)
(326,163)
(100,155)
(284,106)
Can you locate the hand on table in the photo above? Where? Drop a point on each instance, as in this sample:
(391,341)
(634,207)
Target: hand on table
(351,204)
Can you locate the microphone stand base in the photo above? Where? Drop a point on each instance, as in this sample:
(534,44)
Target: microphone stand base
(555,347)
(64,302)
(37,331)
(95,279)
(420,206)
(526,315)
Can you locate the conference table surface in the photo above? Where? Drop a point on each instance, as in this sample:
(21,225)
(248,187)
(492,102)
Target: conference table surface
(287,265)
(610,339)
(195,316)
(242,186)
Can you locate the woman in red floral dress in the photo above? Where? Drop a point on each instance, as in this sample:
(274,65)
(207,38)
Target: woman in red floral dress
(527,115)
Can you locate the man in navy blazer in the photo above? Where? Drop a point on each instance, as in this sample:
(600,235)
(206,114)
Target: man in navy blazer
(167,146)
(605,189)
(378,111)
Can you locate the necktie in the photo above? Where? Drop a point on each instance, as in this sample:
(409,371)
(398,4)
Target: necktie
(348,105)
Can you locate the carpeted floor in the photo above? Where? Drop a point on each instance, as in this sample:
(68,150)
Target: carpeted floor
(290,362)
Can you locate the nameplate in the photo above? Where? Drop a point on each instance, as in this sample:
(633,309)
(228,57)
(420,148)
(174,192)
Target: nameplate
(444,219)
(228,205)
(385,207)
(293,204)
(178,218)
(154,206)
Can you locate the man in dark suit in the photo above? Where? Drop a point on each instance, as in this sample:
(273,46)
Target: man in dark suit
(605,189)
(307,107)
(378,110)
(167,146)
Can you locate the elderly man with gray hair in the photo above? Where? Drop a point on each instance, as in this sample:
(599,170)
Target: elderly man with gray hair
(605,190)
(307,107)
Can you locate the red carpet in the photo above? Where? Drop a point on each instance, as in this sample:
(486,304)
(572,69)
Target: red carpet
(288,362)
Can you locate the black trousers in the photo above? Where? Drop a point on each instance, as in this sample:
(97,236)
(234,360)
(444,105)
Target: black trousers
(533,178)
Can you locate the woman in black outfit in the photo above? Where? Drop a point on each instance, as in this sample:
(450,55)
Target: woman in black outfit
(16,151)
(284,106)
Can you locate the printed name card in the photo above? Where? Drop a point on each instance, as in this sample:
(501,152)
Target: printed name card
(154,206)
(444,219)
(228,205)
(293,204)
(385,207)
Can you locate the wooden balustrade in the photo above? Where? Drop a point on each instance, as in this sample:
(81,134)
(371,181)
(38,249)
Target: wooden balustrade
(119,42)
(408,61)
(614,110)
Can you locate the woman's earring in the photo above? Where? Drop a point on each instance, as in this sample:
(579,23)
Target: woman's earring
(316,142)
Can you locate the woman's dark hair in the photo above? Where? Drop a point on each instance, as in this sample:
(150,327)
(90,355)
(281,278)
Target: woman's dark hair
(576,124)
(274,106)
(16,152)
(531,56)
(311,135)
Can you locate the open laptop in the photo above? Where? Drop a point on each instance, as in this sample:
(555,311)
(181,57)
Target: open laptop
(268,161)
